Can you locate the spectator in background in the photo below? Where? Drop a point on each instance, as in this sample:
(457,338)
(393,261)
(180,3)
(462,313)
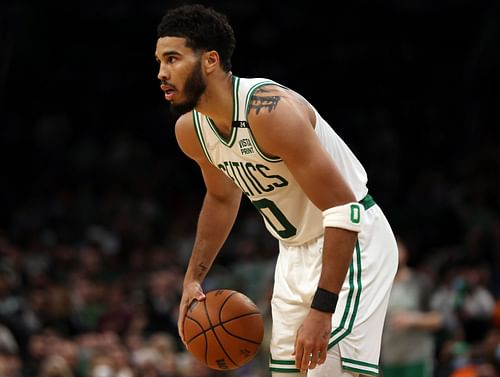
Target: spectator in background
(10,364)
(161,301)
(118,312)
(468,307)
(55,366)
(408,341)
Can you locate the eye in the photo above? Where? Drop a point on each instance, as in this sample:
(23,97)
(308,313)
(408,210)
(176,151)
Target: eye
(171,59)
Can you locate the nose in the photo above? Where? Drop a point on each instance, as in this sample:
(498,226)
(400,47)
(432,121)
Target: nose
(162,73)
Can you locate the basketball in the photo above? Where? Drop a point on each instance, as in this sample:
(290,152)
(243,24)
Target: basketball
(225,330)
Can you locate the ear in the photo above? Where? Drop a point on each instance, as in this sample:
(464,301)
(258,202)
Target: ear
(211,61)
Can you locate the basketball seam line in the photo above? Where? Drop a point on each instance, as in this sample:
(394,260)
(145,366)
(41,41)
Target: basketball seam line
(215,334)
(221,324)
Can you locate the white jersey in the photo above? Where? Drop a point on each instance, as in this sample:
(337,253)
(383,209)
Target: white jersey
(288,213)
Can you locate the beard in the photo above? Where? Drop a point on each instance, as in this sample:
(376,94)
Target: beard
(193,89)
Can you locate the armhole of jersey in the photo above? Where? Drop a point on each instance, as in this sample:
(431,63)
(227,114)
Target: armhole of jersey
(247,107)
(199,133)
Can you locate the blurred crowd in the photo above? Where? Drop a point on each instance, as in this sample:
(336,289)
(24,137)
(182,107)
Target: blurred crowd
(98,206)
(94,309)
(81,310)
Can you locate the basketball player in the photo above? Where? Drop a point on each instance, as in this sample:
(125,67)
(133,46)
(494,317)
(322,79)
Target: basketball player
(338,255)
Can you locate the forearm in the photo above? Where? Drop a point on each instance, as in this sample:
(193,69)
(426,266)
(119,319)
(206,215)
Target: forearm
(214,224)
(338,247)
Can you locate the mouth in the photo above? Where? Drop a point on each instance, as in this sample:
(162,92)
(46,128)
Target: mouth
(169,94)
(169,91)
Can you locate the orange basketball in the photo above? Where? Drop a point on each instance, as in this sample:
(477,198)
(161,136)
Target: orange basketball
(225,330)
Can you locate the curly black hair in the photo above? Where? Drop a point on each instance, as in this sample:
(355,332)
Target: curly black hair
(203,28)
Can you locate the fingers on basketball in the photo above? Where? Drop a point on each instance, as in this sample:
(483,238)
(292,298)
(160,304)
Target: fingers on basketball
(225,330)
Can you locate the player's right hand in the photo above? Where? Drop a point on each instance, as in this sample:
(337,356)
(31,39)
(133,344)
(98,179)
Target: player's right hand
(190,292)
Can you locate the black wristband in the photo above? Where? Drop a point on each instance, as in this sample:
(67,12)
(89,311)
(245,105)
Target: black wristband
(324,300)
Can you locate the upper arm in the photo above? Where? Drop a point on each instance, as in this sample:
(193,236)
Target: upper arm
(217,183)
(283,126)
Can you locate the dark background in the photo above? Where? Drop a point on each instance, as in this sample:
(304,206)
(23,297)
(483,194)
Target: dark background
(88,153)
(412,86)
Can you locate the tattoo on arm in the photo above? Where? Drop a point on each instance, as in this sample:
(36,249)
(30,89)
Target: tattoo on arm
(262,100)
(202,270)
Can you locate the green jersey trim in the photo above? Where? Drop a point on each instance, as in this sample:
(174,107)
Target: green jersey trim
(199,133)
(367,202)
(247,107)
(232,137)
(261,154)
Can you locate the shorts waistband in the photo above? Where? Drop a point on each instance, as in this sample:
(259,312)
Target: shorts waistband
(367,201)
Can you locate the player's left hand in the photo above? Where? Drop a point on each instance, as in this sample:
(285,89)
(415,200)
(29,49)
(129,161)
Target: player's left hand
(312,340)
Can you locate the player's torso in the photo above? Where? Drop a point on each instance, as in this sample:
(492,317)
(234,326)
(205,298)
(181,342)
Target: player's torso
(289,215)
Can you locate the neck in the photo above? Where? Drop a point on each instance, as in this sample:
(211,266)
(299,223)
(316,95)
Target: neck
(217,101)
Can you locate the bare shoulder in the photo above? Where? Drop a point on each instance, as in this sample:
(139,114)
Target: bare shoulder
(186,137)
(279,116)
(272,99)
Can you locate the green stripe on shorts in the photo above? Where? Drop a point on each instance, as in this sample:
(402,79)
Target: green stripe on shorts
(283,366)
(354,291)
(360,366)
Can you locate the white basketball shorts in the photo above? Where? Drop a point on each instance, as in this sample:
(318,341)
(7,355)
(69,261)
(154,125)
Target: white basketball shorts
(359,316)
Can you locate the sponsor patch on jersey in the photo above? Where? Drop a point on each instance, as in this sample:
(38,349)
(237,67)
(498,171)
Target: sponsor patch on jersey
(246,146)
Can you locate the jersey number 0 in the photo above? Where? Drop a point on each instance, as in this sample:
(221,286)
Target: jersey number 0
(275,218)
